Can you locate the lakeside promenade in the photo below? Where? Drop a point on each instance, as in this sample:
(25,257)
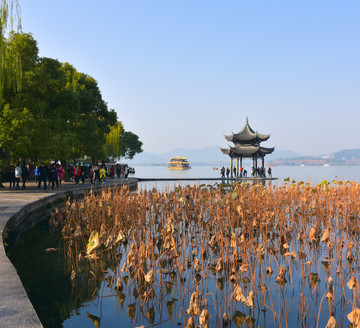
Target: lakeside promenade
(16,309)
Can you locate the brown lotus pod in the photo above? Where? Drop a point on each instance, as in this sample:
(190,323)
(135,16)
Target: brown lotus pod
(269,270)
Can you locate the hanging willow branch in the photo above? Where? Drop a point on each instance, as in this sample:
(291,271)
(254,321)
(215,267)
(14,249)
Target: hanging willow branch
(10,62)
(113,140)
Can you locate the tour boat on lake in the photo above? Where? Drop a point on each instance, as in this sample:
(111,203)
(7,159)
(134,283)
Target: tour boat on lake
(179,163)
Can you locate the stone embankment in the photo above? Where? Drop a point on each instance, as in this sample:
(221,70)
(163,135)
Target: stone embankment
(18,210)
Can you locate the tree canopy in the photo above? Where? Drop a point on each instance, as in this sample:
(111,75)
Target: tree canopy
(58,113)
(121,143)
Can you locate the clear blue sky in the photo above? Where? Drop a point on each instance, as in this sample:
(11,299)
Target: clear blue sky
(183,73)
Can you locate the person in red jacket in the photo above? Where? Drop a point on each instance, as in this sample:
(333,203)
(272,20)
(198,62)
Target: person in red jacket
(77,173)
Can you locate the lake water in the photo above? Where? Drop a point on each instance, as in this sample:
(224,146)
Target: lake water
(312,174)
(60,303)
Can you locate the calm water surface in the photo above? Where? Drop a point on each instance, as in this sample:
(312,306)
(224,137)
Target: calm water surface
(59,303)
(312,174)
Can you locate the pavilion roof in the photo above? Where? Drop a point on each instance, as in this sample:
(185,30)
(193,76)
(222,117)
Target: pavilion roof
(247,134)
(246,151)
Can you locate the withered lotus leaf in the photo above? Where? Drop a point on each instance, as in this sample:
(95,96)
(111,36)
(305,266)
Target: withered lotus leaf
(238,294)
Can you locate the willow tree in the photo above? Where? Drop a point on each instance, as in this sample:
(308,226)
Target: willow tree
(10,65)
(9,17)
(113,146)
(121,143)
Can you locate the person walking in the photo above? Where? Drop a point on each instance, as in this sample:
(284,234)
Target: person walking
(76,173)
(18,173)
(54,176)
(222,172)
(43,173)
(36,174)
(60,172)
(112,172)
(227,172)
(241,172)
(83,174)
(269,172)
(97,174)
(91,174)
(24,175)
(102,174)
(126,172)
(12,176)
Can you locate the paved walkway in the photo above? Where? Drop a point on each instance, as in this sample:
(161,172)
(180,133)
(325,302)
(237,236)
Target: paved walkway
(16,309)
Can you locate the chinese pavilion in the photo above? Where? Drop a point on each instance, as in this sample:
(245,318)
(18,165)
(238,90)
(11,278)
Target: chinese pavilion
(246,145)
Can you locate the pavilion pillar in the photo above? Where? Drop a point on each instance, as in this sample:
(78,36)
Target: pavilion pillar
(262,161)
(231,166)
(237,166)
(241,168)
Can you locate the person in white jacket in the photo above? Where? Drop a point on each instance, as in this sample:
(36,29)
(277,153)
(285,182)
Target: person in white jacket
(18,172)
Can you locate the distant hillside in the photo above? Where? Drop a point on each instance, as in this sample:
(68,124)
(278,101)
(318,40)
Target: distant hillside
(343,157)
(201,156)
(347,154)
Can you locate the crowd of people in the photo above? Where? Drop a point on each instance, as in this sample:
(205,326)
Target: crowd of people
(255,172)
(52,175)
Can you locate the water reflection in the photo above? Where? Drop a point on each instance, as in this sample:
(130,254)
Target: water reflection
(250,256)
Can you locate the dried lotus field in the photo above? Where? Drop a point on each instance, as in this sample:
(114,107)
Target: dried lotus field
(219,256)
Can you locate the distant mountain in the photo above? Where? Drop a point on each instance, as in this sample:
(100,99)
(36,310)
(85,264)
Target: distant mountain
(343,157)
(201,156)
(278,153)
(213,156)
(347,154)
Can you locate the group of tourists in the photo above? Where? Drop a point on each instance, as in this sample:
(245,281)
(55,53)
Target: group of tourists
(92,173)
(97,173)
(255,172)
(52,175)
(19,172)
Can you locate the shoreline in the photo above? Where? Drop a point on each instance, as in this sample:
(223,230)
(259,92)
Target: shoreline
(17,212)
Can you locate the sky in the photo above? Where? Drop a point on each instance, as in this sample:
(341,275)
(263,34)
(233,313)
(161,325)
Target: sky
(182,73)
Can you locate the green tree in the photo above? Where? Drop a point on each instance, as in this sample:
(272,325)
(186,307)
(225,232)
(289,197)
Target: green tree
(114,147)
(59,113)
(121,143)
(94,120)
(17,122)
(53,105)
(9,17)
(16,126)
(132,144)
